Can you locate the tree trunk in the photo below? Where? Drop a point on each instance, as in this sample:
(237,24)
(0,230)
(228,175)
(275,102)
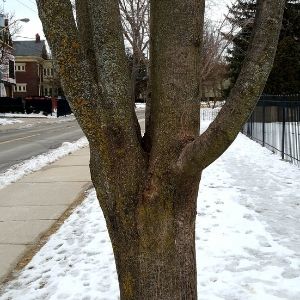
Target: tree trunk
(155,255)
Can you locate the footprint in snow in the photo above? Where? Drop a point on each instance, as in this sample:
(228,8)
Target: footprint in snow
(248,217)
(291,274)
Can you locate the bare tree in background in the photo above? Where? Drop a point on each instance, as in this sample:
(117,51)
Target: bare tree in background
(7,33)
(9,27)
(148,189)
(217,37)
(135,22)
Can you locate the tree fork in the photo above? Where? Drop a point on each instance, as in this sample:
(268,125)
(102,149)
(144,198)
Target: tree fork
(149,199)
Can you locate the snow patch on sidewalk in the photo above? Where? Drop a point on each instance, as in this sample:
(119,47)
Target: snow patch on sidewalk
(76,263)
(26,167)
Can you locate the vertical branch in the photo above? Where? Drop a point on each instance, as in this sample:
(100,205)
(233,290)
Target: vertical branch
(134,20)
(112,69)
(78,84)
(244,95)
(175,77)
(110,52)
(86,34)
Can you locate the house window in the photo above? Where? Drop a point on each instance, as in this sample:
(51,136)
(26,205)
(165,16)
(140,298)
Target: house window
(46,92)
(48,72)
(20,67)
(20,88)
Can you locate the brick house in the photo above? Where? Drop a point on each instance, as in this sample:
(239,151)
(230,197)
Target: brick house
(29,58)
(7,60)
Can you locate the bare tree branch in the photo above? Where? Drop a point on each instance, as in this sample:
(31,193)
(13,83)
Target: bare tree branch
(243,97)
(135,22)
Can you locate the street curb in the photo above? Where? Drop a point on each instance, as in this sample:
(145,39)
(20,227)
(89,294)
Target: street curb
(29,253)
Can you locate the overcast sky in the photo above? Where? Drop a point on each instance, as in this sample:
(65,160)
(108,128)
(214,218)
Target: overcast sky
(28,9)
(25,9)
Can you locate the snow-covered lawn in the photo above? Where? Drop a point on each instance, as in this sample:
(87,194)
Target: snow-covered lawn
(247,238)
(17,171)
(19,115)
(5,121)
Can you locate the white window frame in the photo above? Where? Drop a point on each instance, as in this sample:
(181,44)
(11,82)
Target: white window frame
(20,88)
(20,67)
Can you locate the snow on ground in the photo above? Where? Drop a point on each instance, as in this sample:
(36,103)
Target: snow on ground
(4,121)
(19,115)
(17,171)
(23,122)
(35,122)
(247,238)
(76,263)
(140,106)
(248,229)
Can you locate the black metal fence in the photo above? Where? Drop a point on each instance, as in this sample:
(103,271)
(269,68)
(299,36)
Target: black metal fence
(11,105)
(45,105)
(63,107)
(38,104)
(275,124)
(209,114)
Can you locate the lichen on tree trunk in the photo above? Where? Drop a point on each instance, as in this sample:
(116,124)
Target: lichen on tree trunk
(154,243)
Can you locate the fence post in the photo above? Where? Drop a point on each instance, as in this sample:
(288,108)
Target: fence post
(251,125)
(283,132)
(264,122)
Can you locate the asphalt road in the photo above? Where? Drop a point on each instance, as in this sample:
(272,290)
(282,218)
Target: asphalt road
(19,144)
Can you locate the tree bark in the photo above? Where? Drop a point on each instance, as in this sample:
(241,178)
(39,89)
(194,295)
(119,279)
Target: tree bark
(153,237)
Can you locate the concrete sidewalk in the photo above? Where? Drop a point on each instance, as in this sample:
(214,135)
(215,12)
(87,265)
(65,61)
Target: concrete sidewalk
(29,207)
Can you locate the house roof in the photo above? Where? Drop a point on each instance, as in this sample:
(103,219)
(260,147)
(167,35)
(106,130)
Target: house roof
(29,48)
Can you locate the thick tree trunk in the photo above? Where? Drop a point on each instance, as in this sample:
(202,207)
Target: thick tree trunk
(164,274)
(156,257)
(151,223)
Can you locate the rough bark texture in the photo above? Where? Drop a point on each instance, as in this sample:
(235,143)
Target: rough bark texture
(147,188)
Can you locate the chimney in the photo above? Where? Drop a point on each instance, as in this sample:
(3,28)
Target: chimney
(37,38)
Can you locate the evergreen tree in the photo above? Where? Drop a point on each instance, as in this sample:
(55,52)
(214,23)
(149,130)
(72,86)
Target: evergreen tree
(285,75)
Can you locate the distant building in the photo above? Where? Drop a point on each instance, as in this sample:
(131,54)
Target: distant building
(35,74)
(51,85)
(7,60)
(213,90)
(213,86)
(29,57)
